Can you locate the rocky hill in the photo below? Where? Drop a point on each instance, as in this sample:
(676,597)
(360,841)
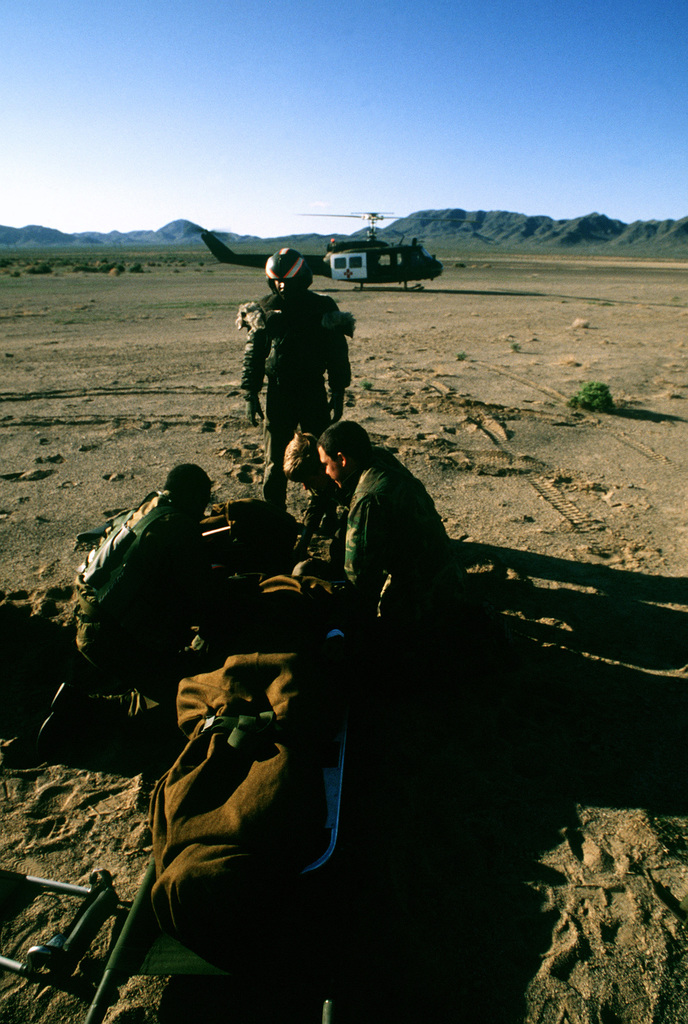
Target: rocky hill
(481,230)
(461,230)
(177,232)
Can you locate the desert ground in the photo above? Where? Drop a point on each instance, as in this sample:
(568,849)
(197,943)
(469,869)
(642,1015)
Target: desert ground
(515,839)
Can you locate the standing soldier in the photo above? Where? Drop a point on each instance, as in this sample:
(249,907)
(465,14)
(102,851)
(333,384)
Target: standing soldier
(295,337)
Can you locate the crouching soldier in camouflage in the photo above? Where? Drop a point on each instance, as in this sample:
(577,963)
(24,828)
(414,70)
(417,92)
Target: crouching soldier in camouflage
(398,558)
(302,465)
(295,338)
(139,594)
(145,587)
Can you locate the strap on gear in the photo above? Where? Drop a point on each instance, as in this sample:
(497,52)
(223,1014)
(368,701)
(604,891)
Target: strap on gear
(242,730)
(106,563)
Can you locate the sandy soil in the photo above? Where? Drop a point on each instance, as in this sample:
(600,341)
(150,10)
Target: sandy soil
(516,844)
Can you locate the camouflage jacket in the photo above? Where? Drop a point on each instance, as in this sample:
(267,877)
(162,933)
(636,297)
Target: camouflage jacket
(296,344)
(398,556)
(167,585)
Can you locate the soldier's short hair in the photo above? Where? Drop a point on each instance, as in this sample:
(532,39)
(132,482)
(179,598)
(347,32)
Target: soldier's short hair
(301,459)
(351,439)
(188,486)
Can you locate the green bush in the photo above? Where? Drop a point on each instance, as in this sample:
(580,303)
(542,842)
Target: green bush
(40,268)
(594,396)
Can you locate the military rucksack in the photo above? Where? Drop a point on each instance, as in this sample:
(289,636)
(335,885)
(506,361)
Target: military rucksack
(105,564)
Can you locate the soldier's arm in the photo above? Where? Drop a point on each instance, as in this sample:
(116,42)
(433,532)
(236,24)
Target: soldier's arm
(364,559)
(251,316)
(338,326)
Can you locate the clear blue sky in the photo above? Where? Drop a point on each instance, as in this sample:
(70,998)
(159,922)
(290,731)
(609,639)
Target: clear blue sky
(245,114)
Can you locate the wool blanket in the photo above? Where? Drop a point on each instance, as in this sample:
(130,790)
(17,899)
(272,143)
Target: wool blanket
(241,811)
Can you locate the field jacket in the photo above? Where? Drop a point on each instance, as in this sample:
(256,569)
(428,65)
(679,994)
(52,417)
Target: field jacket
(296,343)
(398,556)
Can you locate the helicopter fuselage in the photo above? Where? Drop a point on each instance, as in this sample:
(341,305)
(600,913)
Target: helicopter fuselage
(380,263)
(361,262)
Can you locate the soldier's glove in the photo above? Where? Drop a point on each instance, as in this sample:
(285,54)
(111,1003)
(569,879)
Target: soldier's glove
(301,546)
(253,409)
(336,405)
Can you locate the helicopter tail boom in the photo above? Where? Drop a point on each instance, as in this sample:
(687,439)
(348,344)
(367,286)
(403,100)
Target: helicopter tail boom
(224,254)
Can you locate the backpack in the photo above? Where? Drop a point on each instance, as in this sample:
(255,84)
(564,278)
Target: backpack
(105,564)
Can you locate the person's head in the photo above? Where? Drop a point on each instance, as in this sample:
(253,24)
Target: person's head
(288,273)
(302,462)
(189,488)
(344,449)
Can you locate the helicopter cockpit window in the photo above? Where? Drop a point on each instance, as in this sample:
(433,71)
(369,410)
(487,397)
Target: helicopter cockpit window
(385,260)
(340,263)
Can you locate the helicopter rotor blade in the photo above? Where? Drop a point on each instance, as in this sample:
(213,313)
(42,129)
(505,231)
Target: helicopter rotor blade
(372,216)
(356,216)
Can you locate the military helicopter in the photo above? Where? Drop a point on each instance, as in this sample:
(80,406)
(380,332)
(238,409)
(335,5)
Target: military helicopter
(363,261)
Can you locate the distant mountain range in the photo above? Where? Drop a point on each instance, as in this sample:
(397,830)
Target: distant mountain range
(176,233)
(475,232)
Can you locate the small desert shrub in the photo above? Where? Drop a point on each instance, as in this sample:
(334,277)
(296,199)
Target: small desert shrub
(594,396)
(461,356)
(515,347)
(366,385)
(136,268)
(39,268)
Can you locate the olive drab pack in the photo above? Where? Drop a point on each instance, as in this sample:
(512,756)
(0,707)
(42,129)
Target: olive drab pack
(105,564)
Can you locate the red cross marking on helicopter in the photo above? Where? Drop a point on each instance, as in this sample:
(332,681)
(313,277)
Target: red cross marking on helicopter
(347,274)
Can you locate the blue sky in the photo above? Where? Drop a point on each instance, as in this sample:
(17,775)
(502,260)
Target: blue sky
(246,114)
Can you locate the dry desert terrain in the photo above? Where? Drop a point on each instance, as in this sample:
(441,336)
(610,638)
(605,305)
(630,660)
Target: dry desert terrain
(517,846)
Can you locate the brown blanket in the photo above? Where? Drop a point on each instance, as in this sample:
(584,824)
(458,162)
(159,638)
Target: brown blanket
(241,811)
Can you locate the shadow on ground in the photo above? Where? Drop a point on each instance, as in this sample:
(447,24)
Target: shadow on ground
(457,782)
(647,416)
(37,652)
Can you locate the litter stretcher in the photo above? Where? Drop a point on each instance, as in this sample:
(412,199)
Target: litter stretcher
(139,947)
